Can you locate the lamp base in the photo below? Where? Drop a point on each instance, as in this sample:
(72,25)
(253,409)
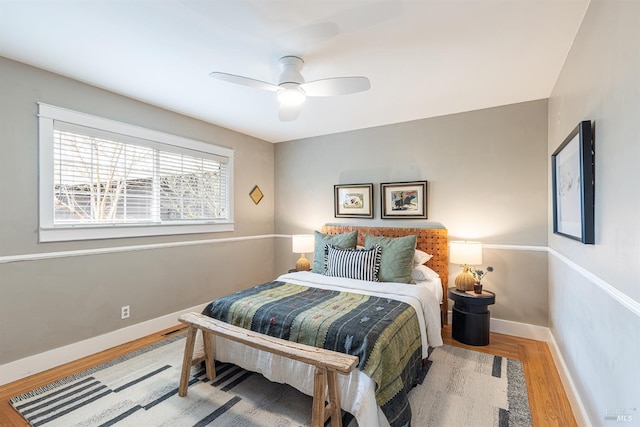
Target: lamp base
(303,264)
(465,281)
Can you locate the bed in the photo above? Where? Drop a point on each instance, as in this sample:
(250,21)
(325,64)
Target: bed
(389,325)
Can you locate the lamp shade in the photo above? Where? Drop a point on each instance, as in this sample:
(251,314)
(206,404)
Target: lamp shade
(303,243)
(463,252)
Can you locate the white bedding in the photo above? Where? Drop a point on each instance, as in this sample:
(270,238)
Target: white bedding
(434,286)
(357,390)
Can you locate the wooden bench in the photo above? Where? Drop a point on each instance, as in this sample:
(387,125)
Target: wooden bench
(326,362)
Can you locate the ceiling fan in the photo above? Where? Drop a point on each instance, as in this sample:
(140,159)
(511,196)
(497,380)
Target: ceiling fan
(292,90)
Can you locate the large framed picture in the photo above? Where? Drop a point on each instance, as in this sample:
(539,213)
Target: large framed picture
(404,200)
(572,181)
(353,201)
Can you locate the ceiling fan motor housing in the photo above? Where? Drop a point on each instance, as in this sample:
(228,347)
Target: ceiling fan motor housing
(291,67)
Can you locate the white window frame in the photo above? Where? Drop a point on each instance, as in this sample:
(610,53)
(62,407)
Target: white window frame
(48,232)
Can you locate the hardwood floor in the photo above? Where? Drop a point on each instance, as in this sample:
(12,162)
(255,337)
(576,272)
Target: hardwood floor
(547,399)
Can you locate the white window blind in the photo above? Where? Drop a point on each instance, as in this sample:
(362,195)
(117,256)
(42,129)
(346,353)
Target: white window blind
(105,174)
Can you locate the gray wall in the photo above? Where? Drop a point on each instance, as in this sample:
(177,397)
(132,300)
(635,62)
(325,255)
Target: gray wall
(594,290)
(64,300)
(487,174)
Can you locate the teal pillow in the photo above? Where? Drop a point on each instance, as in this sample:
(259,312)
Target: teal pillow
(397,257)
(342,241)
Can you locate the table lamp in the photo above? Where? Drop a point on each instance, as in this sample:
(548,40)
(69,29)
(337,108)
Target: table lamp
(303,244)
(465,253)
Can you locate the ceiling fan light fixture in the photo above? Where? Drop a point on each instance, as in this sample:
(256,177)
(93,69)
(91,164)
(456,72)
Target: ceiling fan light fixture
(291,95)
(292,89)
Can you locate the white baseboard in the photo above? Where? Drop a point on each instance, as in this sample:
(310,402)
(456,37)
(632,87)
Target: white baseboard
(517,329)
(577,406)
(522,330)
(30,365)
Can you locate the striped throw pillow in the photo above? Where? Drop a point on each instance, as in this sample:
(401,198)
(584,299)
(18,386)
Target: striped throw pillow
(361,264)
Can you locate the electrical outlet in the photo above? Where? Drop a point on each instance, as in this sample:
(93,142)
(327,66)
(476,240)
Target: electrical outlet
(125,311)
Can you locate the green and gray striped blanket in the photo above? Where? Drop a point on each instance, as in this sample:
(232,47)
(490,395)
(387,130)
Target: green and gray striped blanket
(382,332)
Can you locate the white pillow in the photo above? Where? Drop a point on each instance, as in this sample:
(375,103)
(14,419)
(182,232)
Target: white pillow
(420,257)
(422,272)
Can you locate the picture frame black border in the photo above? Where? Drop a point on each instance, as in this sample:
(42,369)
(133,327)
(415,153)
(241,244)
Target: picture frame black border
(336,200)
(389,185)
(587,182)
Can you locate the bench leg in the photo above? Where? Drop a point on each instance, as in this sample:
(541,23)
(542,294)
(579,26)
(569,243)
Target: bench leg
(319,384)
(334,399)
(187,361)
(209,353)
(322,412)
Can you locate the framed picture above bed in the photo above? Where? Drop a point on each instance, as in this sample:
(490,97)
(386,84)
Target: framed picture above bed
(404,200)
(572,180)
(353,201)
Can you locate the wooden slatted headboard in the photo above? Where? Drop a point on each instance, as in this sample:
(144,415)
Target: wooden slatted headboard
(434,241)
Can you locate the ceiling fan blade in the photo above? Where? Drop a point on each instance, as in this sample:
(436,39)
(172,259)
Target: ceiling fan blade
(245,81)
(288,113)
(336,86)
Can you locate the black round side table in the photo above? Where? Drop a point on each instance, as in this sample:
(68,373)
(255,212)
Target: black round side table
(471,316)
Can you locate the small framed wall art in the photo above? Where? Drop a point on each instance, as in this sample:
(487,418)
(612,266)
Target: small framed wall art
(572,181)
(404,200)
(353,201)
(256,195)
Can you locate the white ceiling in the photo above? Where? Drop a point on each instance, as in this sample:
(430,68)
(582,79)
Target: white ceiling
(424,58)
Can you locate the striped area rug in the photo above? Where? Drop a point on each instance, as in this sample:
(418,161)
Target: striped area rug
(461,388)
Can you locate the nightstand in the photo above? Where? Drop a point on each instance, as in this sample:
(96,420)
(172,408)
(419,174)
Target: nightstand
(471,316)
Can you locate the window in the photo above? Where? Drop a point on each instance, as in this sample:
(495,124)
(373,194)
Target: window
(102,179)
